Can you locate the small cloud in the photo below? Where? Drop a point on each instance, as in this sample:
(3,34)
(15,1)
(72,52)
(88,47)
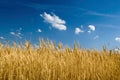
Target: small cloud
(81,26)
(78,30)
(91,27)
(12,33)
(39,30)
(96,37)
(2,38)
(19,33)
(54,20)
(89,31)
(117,39)
(16,34)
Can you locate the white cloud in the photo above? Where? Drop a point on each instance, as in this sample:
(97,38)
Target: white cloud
(117,39)
(89,31)
(12,33)
(2,38)
(54,20)
(78,30)
(59,26)
(16,34)
(96,37)
(91,27)
(39,30)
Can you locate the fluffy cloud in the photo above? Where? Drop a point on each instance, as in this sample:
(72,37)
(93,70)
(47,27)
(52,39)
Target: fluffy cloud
(54,20)
(117,39)
(96,37)
(39,30)
(78,30)
(91,27)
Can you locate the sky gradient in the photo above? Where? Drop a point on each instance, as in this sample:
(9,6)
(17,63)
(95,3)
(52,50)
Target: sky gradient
(92,23)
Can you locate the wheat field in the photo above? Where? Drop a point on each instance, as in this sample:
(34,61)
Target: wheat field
(49,61)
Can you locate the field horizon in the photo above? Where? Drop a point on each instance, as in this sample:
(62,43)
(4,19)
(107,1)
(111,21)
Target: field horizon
(49,61)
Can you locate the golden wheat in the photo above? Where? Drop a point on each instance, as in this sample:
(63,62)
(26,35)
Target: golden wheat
(49,62)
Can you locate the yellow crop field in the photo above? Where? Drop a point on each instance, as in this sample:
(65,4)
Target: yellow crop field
(49,61)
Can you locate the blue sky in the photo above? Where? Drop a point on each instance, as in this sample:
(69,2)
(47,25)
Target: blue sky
(92,23)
